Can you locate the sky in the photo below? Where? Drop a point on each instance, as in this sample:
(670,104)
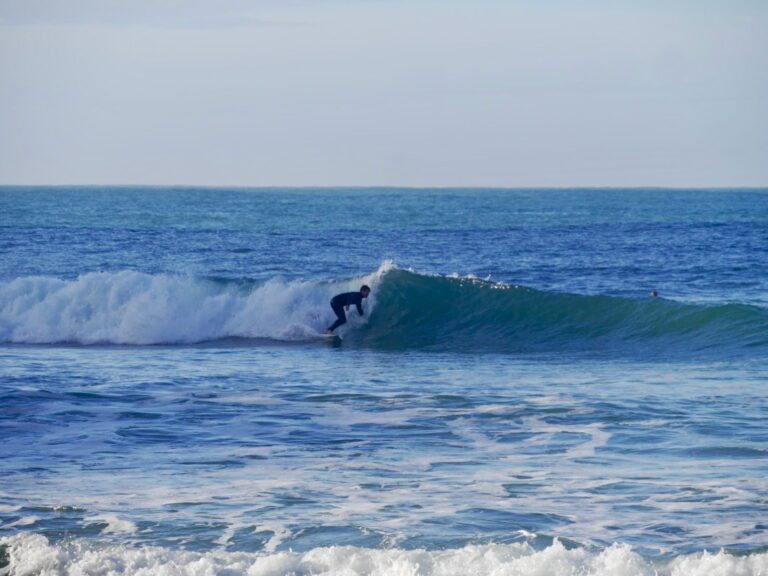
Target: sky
(515,93)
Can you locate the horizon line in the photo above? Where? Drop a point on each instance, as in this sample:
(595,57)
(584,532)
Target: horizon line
(388,187)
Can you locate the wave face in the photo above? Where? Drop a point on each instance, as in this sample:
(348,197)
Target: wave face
(452,313)
(33,554)
(407,311)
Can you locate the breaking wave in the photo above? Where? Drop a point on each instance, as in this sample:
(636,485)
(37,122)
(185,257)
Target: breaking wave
(135,308)
(28,553)
(407,310)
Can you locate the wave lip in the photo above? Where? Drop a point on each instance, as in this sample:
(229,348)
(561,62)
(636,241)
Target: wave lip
(28,553)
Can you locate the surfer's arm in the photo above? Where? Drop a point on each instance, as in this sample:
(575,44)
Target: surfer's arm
(359,308)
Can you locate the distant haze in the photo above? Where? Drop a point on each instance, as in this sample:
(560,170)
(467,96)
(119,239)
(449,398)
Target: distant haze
(369,92)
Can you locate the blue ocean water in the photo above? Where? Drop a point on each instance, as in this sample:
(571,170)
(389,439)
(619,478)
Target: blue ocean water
(513,402)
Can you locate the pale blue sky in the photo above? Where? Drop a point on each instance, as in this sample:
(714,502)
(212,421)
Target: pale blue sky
(420,93)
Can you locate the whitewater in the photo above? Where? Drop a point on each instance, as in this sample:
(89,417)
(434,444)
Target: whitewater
(130,307)
(513,401)
(34,555)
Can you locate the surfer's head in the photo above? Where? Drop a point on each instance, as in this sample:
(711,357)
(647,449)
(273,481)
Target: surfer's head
(365,290)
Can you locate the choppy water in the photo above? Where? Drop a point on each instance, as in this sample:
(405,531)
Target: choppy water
(513,402)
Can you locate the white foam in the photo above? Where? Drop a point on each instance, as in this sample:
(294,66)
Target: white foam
(33,554)
(226,537)
(719,564)
(114,525)
(344,417)
(279,533)
(597,437)
(134,308)
(24,521)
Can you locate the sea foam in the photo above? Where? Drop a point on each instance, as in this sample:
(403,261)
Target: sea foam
(27,554)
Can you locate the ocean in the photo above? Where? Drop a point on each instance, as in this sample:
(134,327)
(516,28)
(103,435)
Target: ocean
(513,401)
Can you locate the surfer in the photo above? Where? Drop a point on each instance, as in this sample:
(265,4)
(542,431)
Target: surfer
(342,302)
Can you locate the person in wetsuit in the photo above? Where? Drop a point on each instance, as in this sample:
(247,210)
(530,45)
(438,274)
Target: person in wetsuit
(342,302)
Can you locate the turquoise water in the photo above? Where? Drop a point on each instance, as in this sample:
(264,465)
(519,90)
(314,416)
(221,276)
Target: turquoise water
(513,402)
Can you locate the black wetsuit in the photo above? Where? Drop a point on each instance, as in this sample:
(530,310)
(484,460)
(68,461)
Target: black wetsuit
(346,299)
